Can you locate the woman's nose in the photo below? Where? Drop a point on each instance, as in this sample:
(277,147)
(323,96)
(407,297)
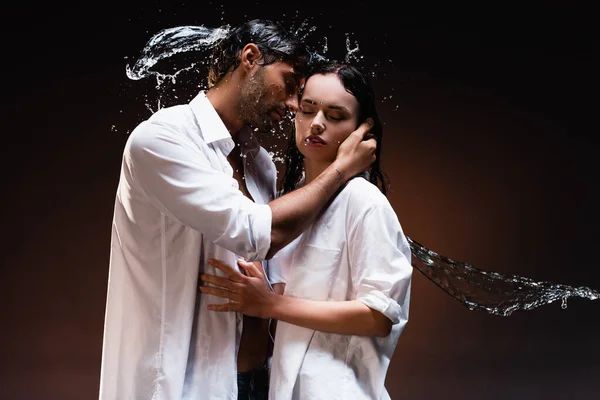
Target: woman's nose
(318,124)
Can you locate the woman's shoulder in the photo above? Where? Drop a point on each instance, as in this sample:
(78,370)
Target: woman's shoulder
(361,197)
(361,192)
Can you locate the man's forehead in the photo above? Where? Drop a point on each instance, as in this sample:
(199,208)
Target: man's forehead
(288,69)
(291,71)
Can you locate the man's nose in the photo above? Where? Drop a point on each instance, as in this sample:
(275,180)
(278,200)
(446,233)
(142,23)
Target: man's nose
(292,103)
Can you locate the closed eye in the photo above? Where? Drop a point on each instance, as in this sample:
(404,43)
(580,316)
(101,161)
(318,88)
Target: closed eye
(307,110)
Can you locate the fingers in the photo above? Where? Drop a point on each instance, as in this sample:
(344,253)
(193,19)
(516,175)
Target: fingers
(223,307)
(224,294)
(371,144)
(363,130)
(247,267)
(251,268)
(369,135)
(219,281)
(232,274)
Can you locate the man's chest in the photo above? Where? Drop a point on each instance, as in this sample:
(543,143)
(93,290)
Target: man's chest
(236,161)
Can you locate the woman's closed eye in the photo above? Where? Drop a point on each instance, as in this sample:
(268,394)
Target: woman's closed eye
(329,116)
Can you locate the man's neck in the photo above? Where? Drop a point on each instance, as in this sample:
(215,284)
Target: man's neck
(225,99)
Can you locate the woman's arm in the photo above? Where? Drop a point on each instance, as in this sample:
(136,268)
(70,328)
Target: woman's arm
(343,317)
(250,295)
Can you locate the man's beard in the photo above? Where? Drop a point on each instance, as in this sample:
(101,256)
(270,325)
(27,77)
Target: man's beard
(254,107)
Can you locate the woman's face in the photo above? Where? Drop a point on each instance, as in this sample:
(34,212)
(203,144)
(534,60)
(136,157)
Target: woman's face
(326,116)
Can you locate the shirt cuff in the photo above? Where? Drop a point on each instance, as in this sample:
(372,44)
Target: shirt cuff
(261,231)
(380,302)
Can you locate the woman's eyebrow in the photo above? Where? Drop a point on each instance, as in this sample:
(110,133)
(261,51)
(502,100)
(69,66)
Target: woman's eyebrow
(341,108)
(335,107)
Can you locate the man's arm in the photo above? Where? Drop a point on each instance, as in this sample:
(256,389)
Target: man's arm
(184,186)
(178,179)
(295,211)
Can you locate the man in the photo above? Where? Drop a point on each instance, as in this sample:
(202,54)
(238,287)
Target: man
(195,185)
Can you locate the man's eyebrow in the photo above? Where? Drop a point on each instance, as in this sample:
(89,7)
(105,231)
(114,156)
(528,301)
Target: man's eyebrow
(295,76)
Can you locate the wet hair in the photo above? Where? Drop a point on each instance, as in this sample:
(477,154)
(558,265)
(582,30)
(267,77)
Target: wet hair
(274,42)
(357,84)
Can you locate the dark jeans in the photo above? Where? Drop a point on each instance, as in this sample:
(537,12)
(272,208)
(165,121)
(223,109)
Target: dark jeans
(253,385)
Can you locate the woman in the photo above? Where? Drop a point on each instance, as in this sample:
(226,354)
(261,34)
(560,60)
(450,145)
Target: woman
(346,280)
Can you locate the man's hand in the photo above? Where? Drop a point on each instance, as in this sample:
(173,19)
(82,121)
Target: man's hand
(248,294)
(357,152)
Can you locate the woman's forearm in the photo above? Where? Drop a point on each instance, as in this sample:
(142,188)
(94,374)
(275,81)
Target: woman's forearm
(342,317)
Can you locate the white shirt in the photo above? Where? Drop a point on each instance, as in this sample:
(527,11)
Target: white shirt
(177,205)
(355,251)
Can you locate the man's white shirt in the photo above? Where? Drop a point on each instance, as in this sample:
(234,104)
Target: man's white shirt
(177,205)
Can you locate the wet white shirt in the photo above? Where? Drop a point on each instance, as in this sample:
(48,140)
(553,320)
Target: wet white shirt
(355,251)
(178,205)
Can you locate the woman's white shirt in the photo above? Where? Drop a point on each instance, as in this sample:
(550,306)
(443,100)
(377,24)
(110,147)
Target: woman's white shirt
(356,250)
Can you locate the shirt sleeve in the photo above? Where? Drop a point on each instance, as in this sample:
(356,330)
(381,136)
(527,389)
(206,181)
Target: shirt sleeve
(380,260)
(179,180)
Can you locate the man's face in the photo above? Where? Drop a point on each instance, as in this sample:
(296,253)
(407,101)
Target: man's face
(268,93)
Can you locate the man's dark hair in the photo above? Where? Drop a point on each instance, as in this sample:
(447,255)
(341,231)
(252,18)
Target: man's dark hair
(274,42)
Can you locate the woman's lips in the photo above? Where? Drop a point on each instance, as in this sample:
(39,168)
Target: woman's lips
(314,141)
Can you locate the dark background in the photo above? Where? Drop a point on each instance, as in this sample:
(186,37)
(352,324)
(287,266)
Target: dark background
(490,116)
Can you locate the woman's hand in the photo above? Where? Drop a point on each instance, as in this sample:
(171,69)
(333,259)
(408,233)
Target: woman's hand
(248,294)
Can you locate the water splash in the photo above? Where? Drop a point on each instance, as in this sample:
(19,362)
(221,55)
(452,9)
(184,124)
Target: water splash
(172,41)
(352,52)
(476,289)
(182,39)
(304,30)
(490,291)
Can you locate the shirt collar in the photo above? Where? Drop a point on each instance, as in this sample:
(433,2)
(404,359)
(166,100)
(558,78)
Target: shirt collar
(213,129)
(211,125)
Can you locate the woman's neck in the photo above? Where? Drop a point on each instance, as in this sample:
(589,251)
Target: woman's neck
(312,169)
